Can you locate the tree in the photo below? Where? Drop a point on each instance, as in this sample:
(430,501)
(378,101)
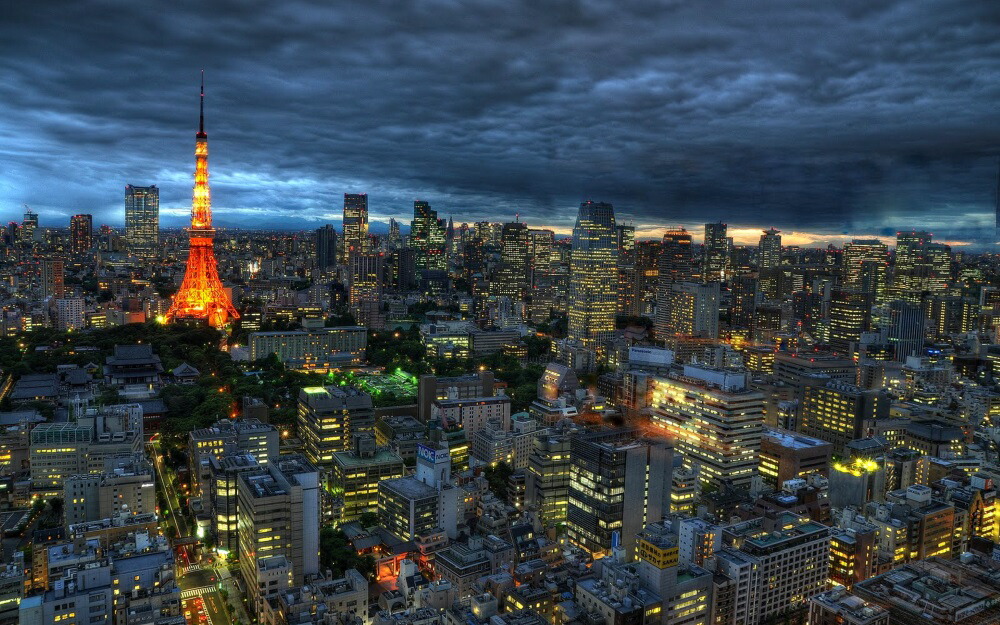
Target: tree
(497,476)
(368,519)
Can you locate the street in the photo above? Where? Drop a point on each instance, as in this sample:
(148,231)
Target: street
(200,596)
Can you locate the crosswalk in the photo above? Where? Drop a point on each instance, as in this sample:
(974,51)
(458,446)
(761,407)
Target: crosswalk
(191,593)
(193,568)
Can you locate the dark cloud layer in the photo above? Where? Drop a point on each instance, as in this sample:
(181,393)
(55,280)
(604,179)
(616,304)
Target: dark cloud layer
(838,117)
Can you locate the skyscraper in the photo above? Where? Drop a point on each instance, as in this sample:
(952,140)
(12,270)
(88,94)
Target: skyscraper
(715,255)
(81,233)
(367,270)
(142,220)
(906,329)
(593,299)
(201,296)
(689,309)
(511,278)
(427,238)
(628,282)
(355,224)
(326,248)
(53,278)
(28,226)
(769,263)
(856,253)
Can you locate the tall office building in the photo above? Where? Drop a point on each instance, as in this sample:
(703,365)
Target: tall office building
(142,220)
(278,514)
(607,467)
(593,300)
(628,283)
(81,233)
(676,262)
(715,419)
(769,263)
(647,274)
(921,266)
(326,248)
(355,224)
(836,411)
(29,226)
(689,309)
(850,315)
(427,238)
(511,277)
(715,253)
(906,329)
(858,252)
(365,295)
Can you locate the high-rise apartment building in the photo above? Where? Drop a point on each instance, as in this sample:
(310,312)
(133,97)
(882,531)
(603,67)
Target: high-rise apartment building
(715,253)
(619,482)
(81,233)
(142,220)
(715,420)
(593,300)
(355,224)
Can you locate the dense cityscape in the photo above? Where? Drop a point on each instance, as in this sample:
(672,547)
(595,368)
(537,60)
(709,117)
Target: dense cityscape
(487,424)
(566,312)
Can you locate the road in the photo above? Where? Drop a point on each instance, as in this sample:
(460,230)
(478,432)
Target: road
(200,594)
(180,523)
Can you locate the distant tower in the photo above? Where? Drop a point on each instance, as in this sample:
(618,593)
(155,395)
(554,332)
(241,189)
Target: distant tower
(201,296)
(142,221)
(593,296)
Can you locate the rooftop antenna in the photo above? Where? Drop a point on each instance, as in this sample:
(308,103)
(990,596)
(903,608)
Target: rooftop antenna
(201,118)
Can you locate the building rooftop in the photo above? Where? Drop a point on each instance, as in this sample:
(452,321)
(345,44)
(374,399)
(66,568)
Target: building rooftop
(409,487)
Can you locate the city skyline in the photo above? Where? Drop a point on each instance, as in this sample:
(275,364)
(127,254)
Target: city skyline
(693,122)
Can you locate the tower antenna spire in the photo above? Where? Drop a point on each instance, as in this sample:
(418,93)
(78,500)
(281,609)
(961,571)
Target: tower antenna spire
(201,118)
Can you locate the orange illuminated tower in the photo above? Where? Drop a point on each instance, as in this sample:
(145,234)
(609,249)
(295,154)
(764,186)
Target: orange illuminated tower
(201,296)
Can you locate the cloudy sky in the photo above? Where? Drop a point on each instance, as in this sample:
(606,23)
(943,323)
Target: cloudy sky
(823,119)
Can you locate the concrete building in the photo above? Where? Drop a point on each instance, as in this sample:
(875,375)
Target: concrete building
(126,486)
(355,475)
(328,418)
(839,607)
(431,388)
(279,515)
(938,590)
(786,456)
(715,419)
(606,467)
(317,348)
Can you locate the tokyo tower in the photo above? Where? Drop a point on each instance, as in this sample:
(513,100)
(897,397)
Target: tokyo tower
(201,296)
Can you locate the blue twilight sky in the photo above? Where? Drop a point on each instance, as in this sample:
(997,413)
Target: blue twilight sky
(823,119)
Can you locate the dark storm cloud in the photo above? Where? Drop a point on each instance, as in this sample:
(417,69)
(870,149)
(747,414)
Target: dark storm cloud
(839,117)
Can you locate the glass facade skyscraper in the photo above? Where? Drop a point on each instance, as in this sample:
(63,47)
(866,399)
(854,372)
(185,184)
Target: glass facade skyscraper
(593,296)
(142,220)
